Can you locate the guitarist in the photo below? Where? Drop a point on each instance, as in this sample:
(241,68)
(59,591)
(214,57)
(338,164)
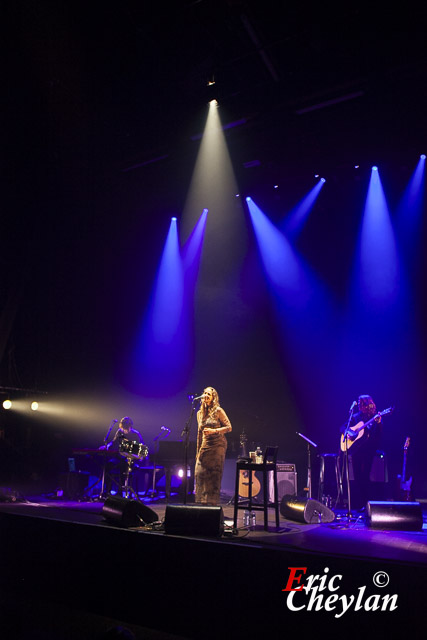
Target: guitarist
(362,449)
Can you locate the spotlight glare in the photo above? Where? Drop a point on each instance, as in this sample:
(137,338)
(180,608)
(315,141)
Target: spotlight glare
(248,199)
(34,406)
(356,166)
(316,175)
(213,103)
(322,179)
(173,219)
(276,186)
(7,404)
(374,168)
(422,156)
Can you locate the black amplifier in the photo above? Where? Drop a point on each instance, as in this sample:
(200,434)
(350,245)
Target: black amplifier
(286,466)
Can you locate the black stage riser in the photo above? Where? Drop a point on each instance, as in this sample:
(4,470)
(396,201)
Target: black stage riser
(171,583)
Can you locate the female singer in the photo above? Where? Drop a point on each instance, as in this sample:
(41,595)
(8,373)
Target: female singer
(213,424)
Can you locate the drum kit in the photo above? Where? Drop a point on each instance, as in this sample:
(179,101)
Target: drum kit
(131,450)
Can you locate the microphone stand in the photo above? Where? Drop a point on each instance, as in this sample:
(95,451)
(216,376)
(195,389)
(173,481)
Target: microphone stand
(162,435)
(186,434)
(101,495)
(309,443)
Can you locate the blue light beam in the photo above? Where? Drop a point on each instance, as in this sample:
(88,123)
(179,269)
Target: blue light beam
(169,291)
(279,259)
(410,210)
(297,218)
(378,260)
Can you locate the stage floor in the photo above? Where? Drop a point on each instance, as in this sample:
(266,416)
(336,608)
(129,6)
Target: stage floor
(247,569)
(350,538)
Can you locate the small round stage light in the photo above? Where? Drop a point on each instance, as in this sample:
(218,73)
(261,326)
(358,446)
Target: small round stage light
(173,219)
(248,199)
(7,404)
(322,179)
(374,168)
(317,175)
(422,156)
(276,186)
(34,406)
(181,473)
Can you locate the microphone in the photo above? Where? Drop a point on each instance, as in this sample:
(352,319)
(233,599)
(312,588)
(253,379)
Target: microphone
(199,397)
(353,405)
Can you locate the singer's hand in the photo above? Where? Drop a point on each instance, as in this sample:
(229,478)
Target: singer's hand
(208,431)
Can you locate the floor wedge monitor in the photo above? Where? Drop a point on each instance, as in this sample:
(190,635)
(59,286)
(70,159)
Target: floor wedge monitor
(194,520)
(305,510)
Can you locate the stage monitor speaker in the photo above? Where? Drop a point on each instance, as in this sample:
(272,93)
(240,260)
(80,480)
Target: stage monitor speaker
(305,510)
(127,513)
(194,520)
(405,516)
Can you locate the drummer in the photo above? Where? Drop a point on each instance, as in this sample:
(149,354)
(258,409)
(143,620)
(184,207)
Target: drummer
(126,431)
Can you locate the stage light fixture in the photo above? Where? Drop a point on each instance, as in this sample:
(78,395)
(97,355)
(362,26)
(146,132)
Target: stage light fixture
(322,179)
(7,404)
(374,168)
(34,406)
(422,156)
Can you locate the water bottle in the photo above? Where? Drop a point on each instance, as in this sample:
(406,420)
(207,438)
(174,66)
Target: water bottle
(258,455)
(253,518)
(246,518)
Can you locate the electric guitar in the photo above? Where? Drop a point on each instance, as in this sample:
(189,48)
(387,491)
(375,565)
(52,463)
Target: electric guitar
(405,485)
(351,435)
(244,475)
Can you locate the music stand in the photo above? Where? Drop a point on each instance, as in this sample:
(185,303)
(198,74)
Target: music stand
(310,443)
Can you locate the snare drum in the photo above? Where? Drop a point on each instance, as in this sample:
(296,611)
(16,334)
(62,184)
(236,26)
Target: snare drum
(133,449)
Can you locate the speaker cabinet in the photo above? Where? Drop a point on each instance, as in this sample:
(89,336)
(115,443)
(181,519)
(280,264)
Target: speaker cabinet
(286,484)
(405,516)
(73,484)
(305,510)
(194,520)
(127,513)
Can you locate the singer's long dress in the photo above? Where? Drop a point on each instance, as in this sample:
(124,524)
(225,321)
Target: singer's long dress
(210,456)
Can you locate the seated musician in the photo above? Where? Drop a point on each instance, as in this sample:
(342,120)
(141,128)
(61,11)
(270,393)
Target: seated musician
(125,431)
